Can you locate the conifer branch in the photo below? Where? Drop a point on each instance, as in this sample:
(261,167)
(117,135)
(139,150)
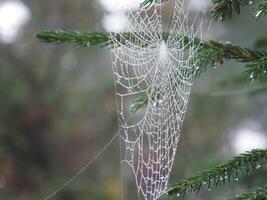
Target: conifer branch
(258,194)
(261,9)
(243,164)
(76,38)
(257,70)
(210,53)
(148,3)
(225,50)
(261,43)
(224,9)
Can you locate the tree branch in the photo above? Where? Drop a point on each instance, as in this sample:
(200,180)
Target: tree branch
(210,53)
(261,10)
(243,164)
(258,194)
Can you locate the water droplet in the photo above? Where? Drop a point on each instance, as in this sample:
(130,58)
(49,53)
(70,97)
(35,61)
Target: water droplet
(252,75)
(204,183)
(265,71)
(236,179)
(178,195)
(226,177)
(88,44)
(250,2)
(259,166)
(209,189)
(221,178)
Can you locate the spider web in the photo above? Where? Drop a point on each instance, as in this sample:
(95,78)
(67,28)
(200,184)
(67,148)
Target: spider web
(161,69)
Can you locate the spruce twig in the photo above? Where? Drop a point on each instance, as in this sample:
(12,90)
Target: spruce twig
(224,9)
(243,164)
(258,194)
(210,53)
(224,49)
(261,9)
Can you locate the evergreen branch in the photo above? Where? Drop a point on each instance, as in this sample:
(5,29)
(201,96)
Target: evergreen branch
(261,43)
(224,49)
(148,3)
(243,164)
(258,194)
(257,70)
(224,9)
(74,37)
(230,51)
(213,54)
(87,39)
(210,54)
(261,9)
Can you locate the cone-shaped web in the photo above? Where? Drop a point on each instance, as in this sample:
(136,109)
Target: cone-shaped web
(161,69)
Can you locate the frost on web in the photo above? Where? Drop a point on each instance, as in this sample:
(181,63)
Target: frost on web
(161,67)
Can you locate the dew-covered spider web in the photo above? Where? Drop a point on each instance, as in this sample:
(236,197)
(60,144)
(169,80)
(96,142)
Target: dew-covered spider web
(158,67)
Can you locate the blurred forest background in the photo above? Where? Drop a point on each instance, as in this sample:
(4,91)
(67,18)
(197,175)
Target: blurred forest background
(58,109)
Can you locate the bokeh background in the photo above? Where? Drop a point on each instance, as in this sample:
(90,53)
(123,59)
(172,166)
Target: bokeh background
(58,109)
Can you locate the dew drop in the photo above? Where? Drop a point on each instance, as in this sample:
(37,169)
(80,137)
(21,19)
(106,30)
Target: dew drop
(252,75)
(250,2)
(178,195)
(258,166)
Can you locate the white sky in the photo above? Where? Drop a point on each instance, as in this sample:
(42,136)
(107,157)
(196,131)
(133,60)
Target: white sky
(13,17)
(120,5)
(247,137)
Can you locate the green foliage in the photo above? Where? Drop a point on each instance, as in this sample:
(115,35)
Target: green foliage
(257,70)
(139,103)
(243,164)
(210,54)
(258,194)
(224,9)
(148,3)
(74,37)
(261,9)
(261,43)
